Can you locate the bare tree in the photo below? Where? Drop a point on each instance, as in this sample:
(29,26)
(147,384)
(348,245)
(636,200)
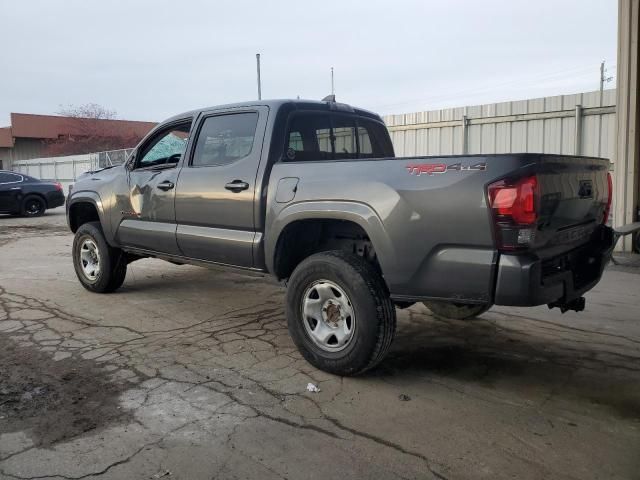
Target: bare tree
(87,110)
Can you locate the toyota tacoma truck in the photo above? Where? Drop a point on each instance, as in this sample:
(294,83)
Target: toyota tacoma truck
(312,194)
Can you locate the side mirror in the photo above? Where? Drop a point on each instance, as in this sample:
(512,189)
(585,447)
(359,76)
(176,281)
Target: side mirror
(131,161)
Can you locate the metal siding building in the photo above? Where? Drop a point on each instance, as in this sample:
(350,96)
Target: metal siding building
(540,125)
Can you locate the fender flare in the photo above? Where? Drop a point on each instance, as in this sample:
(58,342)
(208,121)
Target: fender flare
(87,196)
(356,212)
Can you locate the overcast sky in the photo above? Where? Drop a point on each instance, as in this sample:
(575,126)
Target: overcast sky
(151,59)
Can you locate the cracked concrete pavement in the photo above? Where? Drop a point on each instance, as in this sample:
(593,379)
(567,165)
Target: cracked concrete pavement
(187,373)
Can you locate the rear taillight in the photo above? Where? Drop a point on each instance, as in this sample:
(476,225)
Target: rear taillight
(58,186)
(513,205)
(607,209)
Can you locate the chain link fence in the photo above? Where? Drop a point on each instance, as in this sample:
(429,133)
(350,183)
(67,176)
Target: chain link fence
(66,170)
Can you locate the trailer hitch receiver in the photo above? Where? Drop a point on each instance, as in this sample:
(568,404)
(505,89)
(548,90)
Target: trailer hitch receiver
(577,305)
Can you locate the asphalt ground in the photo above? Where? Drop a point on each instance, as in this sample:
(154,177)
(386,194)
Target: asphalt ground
(188,373)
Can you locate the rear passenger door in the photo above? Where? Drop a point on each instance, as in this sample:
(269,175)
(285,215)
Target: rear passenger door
(215,189)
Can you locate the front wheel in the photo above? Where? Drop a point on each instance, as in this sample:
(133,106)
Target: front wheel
(456,311)
(99,267)
(339,313)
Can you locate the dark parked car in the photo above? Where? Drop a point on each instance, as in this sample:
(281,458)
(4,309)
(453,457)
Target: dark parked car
(28,196)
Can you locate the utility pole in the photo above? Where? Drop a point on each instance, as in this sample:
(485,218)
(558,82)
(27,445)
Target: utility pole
(259,83)
(603,79)
(333,90)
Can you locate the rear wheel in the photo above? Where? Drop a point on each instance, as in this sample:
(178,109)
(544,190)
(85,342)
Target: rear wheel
(33,206)
(99,267)
(456,311)
(339,313)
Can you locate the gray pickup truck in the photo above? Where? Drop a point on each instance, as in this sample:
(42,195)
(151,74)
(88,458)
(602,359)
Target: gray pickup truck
(311,193)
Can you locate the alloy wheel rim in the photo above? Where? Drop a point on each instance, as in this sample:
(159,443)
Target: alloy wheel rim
(34,207)
(328,316)
(90,259)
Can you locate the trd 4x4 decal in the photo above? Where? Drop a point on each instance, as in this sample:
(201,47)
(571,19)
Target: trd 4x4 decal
(432,168)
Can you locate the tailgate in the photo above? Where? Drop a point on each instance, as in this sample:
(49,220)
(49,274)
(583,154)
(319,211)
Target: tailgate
(550,204)
(573,195)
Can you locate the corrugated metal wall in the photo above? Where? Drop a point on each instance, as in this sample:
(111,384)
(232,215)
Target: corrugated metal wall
(540,125)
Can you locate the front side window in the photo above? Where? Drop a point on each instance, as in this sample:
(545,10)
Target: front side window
(166,148)
(225,139)
(323,136)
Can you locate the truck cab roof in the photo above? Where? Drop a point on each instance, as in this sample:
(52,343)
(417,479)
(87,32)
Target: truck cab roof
(276,104)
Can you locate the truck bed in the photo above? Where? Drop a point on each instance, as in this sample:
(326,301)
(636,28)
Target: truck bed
(430,220)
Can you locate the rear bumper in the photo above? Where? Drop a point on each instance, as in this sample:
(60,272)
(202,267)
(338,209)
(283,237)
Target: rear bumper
(528,280)
(55,199)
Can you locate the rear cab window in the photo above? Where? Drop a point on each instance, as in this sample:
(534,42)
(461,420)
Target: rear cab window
(315,136)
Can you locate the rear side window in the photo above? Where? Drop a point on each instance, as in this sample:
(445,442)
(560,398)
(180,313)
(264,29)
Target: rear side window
(309,138)
(324,136)
(373,139)
(10,178)
(344,138)
(225,139)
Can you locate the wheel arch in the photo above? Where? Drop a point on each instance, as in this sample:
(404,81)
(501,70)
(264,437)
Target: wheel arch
(307,221)
(85,207)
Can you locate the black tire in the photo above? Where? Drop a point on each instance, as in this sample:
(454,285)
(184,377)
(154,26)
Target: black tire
(456,311)
(33,206)
(112,261)
(375,316)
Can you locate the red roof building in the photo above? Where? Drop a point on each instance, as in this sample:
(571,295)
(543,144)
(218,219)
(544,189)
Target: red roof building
(36,136)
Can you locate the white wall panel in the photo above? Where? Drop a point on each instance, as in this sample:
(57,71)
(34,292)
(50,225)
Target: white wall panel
(538,125)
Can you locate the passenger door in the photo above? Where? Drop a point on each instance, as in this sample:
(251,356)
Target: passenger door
(150,223)
(10,191)
(215,193)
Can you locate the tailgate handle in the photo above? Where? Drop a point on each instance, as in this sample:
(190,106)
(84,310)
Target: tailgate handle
(237,186)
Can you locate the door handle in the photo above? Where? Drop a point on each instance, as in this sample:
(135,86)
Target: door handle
(166,185)
(237,186)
